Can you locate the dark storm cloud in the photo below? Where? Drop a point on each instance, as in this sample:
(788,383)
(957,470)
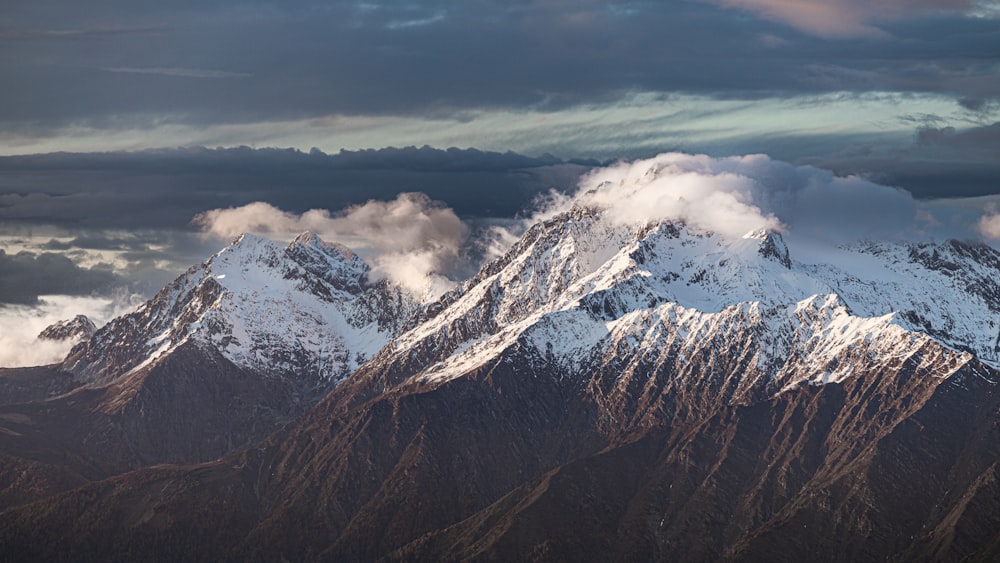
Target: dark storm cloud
(983,140)
(164,189)
(112,65)
(136,208)
(942,162)
(26,275)
(136,262)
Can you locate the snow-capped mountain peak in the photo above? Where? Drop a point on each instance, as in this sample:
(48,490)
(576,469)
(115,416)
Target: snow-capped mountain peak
(772,246)
(579,287)
(306,310)
(76,329)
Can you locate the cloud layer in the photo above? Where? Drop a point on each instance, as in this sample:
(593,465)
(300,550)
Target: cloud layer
(163,189)
(411,240)
(416,242)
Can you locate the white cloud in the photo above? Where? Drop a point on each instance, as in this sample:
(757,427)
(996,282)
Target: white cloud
(410,240)
(989,225)
(677,187)
(421,22)
(20,325)
(735,195)
(261,218)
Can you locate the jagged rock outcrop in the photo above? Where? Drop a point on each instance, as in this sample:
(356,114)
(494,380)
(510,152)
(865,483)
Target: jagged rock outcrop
(76,329)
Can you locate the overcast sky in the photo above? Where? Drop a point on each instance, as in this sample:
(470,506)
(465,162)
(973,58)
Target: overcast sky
(573,77)
(901,92)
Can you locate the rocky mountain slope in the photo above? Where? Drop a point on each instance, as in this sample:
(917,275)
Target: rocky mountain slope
(306,311)
(228,352)
(577,292)
(604,391)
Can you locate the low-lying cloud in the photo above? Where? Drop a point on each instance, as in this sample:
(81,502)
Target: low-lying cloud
(20,325)
(410,240)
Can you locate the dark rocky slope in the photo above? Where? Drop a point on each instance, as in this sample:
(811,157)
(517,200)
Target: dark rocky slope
(891,464)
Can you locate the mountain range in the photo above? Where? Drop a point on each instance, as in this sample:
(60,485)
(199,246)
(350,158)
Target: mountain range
(605,390)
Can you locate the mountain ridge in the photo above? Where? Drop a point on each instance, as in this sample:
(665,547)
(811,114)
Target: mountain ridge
(227,353)
(611,390)
(246,301)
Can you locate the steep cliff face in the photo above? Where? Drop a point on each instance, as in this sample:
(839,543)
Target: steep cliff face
(607,391)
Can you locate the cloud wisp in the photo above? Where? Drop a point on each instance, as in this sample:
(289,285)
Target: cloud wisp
(845,18)
(410,240)
(989,224)
(180,72)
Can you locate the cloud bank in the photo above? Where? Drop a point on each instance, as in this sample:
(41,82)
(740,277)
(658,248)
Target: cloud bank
(410,240)
(100,190)
(26,275)
(735,195)
(420,244)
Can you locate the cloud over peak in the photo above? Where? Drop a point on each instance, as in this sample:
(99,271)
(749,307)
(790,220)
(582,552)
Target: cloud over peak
(421,244)
(674,186)
(735,195)
(410,240)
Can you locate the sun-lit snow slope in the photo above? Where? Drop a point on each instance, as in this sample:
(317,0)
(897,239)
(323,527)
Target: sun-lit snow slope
(579,292)
(307,309)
